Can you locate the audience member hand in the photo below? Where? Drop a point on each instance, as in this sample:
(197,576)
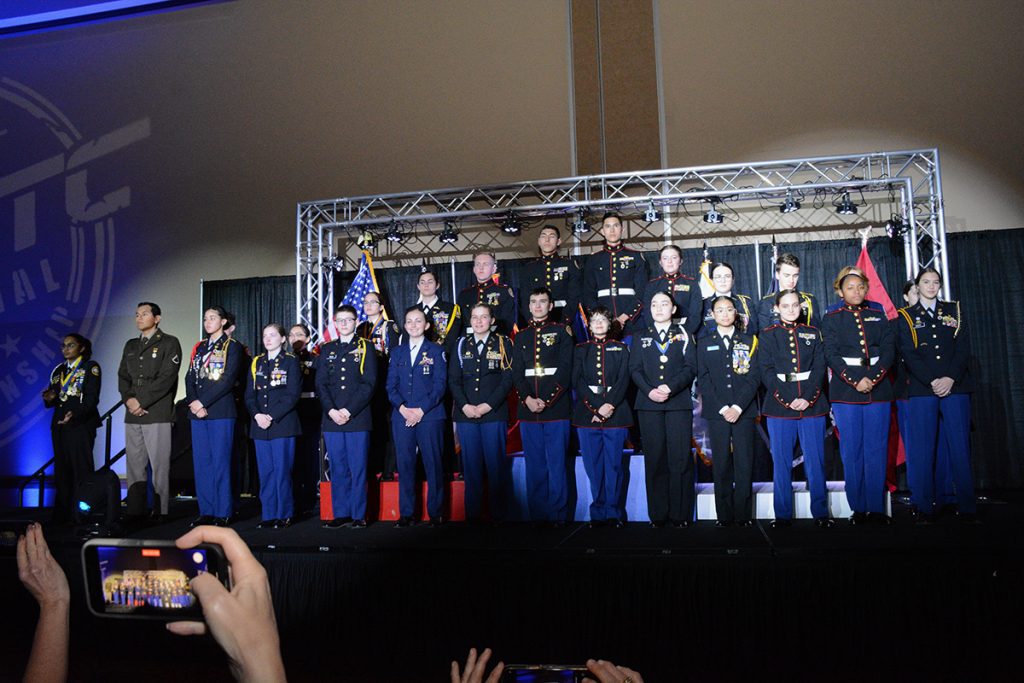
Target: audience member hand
(242,619)
(606,672)
(45,580)
(38,571)
(474,671)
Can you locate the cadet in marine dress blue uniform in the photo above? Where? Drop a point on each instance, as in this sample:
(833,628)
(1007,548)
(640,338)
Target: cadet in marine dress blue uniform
(602,415)
(346,376)
(542,372)
(73,394)
(787,271)
(560,274)
(480,377)
(728,376)
(937,353)
(209,385)
(860,348)
(485,290)
(417,379)
(615,277)
(684,290)
(663,365)
(724,281)
(272,396)
(793,372)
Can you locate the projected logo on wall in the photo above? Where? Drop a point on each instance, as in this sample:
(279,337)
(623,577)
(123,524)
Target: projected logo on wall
(57,212)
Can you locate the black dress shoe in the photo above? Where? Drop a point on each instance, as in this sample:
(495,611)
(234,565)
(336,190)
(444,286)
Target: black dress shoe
(682,524)
(723,523)
(403,522)
(267,524)
(657,525)
(746,523)
(858,518)
(221,521)
(334,523)
(201,520)
(825,522)
(358,523)
(283,523)
(614,523)
(781,523)
(596,523)
(879,519)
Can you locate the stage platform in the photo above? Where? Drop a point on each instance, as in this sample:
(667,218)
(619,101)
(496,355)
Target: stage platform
(941,602)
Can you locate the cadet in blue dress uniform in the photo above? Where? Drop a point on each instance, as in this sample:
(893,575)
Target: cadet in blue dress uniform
(307,469)
(793,372)
(500,298)
(209,385)
(480,377)
(860,348)
(724,281)
(615,277)
(602,416)
(272,396)
(542,371)
(417,379)
(787,271)
(663,365)
(728,376)
(684,290)
(936,352)
(346,376)
(559,274)
(73,394)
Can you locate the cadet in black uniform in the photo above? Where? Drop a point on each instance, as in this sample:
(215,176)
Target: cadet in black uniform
(602,416)
(793,372)
(272,395)
(723,280)
(860,348)
(663,364)
(307,470)
(559,274)
(729,377)
(381,335)
(445,318)
(376,329)
(787,271)
(346,376)
(73,394)
(479,378)
(500,298)
(937,354)
(214,367)
(684,290)
(615,277)
(542,371)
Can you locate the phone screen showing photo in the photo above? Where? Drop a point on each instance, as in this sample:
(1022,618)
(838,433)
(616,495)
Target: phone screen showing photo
(148,580)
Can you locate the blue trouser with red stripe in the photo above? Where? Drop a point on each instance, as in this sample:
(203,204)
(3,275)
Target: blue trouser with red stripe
(544,447)
(603,461)
(211,461)
(347,453)
(925,435)
(274,458)
(783,434)
(864,448)
(483,450)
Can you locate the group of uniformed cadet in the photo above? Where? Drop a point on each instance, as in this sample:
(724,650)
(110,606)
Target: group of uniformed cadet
(649,341)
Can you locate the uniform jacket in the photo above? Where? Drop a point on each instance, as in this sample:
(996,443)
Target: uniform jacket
(445,325)
(859,343)
(685,292)
(766,316)
(727,376)
(307,365)
(935,347)
(616,277)
(500,298)
(273,388)
(78,392)
(559,274)
(149,372)
(476,378)
(542,368)
(420,382)
(380,335)
(745,309)
(600,375)
(213,371)
(346,375)
(678,370)
(792,366)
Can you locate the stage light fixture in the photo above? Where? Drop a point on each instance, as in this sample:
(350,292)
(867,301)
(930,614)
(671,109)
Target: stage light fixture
(450,235)
(580,225)
(896,227)
(393,234)
(511,226)
(713,215)
(366,240)
(845,207)
(790,204)
(652,214)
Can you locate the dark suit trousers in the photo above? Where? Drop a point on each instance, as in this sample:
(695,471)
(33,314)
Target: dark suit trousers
(668,461)
(731,466)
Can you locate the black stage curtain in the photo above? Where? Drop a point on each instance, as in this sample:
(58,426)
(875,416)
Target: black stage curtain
(255,301)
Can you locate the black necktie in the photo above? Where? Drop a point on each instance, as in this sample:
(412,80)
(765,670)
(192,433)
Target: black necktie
(479,348)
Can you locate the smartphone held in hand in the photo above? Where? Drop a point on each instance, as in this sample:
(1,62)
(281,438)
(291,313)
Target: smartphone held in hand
(543,673)
(148,579)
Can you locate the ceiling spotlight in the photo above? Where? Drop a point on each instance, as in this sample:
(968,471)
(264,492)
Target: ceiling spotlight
(393,234)
(652,214)
(713,215)
(511,226)
(449,235)
(896,227)
(580,225)
(845,207)
(790,204)
(366,240)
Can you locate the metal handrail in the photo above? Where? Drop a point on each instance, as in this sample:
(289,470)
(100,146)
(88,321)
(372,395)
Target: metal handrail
(40,474)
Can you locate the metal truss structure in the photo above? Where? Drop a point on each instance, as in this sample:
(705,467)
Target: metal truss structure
(899,192)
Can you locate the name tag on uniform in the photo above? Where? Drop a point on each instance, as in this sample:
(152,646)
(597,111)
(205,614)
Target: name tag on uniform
(809,336)
(872,319)
(682,288)
(716,347)
(613,348)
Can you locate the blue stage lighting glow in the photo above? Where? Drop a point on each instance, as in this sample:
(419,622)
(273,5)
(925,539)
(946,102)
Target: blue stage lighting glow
(20,17)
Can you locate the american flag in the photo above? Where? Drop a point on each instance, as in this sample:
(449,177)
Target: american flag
(364,281)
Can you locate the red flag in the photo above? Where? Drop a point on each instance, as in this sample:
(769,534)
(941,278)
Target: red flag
(877,290)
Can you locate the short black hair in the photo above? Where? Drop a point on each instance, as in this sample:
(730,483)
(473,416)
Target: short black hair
(219,310)
(345,308)
(230,319)
(720,264)
(305,329)
(549,226)
(430,273)
(543,290)
(784,292)
(419,310)
(907,285)
(153,308)
(611,214)
(739,318)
